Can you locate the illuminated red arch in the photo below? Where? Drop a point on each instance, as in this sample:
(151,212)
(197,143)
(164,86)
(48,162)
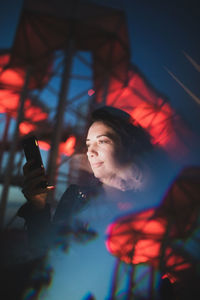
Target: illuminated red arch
(148,237)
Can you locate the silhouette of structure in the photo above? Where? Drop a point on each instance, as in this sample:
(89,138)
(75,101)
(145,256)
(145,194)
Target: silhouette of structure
(47,44)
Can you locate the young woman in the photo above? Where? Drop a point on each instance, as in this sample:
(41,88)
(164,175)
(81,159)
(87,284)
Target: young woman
(123,161)
(120,155)
(116,151)
(115,148)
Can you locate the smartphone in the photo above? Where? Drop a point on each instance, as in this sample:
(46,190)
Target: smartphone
(32,153)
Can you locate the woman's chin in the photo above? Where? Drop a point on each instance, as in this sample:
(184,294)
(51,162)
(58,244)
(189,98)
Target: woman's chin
(98,175)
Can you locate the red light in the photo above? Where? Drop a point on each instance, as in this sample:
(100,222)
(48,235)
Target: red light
(44,145)
(156,120)
(138,238)
(35,114)
(4,60)
(91,92)
(26,128)
(9,102)
(67,147)
(12,78)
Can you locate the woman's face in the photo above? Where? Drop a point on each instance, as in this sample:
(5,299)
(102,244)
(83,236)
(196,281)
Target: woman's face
(102,151)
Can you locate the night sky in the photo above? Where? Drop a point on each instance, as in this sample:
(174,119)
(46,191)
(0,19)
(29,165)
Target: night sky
(159,34)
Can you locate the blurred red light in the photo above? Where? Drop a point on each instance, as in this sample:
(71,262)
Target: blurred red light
(67,147)
(91,92)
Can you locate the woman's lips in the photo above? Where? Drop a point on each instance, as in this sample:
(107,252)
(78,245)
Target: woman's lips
(97,164)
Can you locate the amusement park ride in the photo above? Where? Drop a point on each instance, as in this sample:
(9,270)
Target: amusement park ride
(37,76)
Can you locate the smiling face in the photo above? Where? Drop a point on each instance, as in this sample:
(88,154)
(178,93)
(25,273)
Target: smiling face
(101,145)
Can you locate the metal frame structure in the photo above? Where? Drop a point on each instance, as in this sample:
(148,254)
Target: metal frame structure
(76,32)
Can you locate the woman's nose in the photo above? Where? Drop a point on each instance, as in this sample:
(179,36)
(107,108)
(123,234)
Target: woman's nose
(92,150)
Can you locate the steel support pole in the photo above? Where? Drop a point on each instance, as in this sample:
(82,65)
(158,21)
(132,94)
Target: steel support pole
(4,138)
(115,280)
(9,167)
(61,107)
(105,88)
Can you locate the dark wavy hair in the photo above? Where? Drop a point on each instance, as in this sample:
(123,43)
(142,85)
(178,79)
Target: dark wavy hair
(131,140)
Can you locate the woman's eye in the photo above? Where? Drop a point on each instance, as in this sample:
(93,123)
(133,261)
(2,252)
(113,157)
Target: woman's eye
(103,141)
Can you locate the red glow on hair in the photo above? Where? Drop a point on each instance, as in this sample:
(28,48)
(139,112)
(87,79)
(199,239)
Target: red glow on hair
(67,147)
(149,109)
(155,120)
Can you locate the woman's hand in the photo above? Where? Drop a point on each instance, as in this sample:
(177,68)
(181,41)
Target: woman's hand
(34,188)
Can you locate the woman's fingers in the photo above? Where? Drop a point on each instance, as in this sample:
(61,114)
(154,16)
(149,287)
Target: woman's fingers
(38,180)
(30,193)
(50,187)
(35,187)
(37,196)
(27,166)
(29,170)
(35,184)
(33,178)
